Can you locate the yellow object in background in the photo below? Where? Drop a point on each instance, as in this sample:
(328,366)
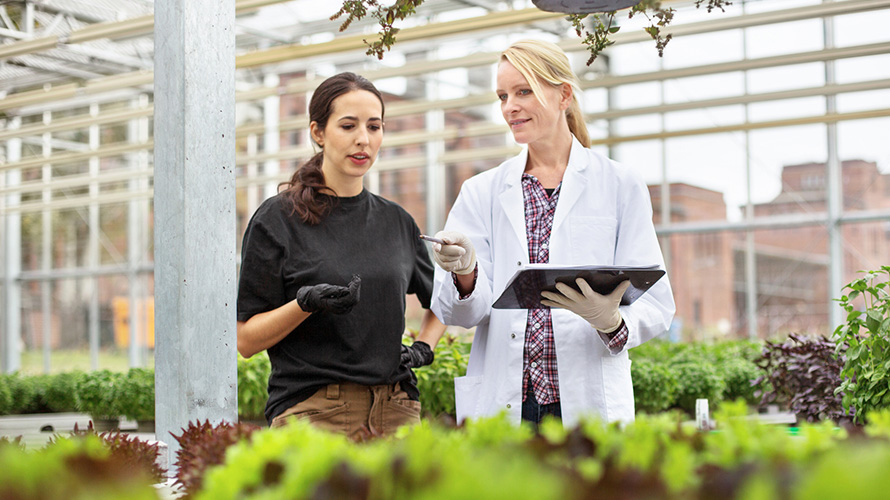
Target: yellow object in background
(121,309)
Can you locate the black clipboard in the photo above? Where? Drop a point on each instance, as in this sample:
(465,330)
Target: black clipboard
(524,289)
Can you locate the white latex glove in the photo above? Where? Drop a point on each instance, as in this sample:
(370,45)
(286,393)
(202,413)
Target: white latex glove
(601,311)
(458,255)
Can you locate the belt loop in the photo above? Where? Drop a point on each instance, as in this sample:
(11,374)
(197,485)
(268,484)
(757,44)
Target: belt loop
(333,391)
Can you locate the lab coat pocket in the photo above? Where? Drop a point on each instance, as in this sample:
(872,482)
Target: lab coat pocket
(593,239)
(618,388)
(466,396)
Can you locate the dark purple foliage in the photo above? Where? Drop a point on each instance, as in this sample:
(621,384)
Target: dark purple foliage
(804,373)
(203,445)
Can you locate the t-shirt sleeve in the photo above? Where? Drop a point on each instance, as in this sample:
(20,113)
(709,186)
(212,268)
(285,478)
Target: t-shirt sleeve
(261,286)
(422,278)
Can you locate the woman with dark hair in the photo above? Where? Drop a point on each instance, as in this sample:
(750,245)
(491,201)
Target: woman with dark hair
(325,269)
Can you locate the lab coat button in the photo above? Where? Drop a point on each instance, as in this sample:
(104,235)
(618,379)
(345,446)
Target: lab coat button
(512,335)
(519,263)
(508,406)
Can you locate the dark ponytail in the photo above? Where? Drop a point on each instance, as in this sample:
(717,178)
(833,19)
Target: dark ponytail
(312,199)
(308,193)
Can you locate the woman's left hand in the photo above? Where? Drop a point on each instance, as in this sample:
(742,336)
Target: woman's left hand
(417,354)
(601,311)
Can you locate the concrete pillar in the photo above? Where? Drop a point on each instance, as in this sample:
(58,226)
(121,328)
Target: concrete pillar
(194,193)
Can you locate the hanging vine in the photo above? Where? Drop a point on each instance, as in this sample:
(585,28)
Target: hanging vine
(595,34)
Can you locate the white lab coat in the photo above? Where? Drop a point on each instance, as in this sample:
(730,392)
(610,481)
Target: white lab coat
(603,217)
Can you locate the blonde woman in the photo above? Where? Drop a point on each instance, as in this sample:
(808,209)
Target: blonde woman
(557,202)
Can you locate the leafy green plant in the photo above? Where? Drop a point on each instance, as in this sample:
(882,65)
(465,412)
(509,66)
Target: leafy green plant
(96,394)
(5,395)
(25,393)
(698,380)
(436,381)
(77,469)
(253,382)
(655,385)
(727,364)
(135,392)
(203,445)
(865,340)
(60,391)
(741,378)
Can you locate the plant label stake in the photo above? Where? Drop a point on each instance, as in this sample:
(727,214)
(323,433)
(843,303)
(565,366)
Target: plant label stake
(702,419)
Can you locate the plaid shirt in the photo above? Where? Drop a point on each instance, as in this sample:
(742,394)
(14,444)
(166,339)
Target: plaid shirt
(539,353)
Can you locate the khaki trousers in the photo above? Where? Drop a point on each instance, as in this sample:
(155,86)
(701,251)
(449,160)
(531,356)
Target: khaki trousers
(358,411)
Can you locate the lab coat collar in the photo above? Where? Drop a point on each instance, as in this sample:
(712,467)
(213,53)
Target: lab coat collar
(573,184)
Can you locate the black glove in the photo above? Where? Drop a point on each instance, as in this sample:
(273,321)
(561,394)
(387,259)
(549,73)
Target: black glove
(329,298)
(417,354)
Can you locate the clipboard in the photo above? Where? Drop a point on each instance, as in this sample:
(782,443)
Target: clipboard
(524,289)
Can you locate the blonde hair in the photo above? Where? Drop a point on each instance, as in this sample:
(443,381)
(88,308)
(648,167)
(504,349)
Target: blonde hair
(541,61)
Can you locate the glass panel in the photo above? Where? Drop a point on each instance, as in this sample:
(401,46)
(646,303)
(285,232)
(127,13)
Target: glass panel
(784,38)
(701,273)
(708,173)
(773,149)
(866,248)
(791,280)
(113,220)
(861,28)
(70,238)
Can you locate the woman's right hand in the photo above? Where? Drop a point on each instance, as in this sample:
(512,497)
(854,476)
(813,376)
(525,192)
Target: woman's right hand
(457,255)
(330,298)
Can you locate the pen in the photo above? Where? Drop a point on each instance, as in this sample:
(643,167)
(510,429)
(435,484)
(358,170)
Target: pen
(434,240)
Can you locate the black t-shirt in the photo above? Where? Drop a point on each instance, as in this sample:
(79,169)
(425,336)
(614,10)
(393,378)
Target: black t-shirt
(365,235)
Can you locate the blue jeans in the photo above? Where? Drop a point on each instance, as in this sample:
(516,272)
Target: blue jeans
(534,412)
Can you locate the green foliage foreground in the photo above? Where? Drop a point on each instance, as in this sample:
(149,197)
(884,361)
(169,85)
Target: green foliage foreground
(654,457)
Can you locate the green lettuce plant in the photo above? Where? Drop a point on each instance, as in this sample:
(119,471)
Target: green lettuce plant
(436,381)
(865,341)
(83,468)
(253,382)
(135,392)
(96,394)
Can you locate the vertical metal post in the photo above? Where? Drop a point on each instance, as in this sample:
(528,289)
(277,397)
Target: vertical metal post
(435,148)
(834,186)
(194,190)
(750,247)
(92,284)
(12,258)
(271,137)
(46,297)
(136,129)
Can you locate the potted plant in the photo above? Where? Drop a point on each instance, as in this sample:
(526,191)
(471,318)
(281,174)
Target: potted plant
(96,396)
(136,394)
